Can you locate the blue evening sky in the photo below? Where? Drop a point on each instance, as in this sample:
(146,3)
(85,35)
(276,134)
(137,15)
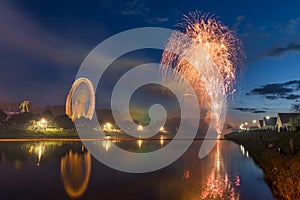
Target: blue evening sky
(42,44)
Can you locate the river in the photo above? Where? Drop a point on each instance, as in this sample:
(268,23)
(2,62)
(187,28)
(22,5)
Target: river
(66,170)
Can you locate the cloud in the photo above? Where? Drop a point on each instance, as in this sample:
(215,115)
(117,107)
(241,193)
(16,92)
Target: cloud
(271,39)
(292,26)
(280,51)
(275,91)
(141,8)
(251,110)
(259,111)
(157,20)
(239,20)
(292,97)
(136,7)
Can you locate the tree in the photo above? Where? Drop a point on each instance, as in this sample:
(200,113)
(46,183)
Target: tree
(47,114)
(295,123)
(295,107)
(3,117)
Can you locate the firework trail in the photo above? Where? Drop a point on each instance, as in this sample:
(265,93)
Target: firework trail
(208,59)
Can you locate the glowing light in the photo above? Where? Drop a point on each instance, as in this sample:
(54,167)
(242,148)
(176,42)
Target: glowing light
(268,117)
(254,121)
(75,171)
(162,129)
(24,107)
(81,92)
(139,142)
(187,174)
(242,127)
(212,73)
(242,149)
(106,143)
(42,124)
(219,185)
(161,140)
(246,123)
(40,156)
(107,127)
(140,128)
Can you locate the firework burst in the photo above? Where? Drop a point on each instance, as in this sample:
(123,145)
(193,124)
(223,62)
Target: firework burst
(208,59)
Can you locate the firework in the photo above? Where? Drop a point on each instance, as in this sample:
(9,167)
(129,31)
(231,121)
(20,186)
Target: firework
(208,59)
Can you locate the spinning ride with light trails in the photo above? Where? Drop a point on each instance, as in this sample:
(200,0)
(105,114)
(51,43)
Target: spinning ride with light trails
(75,170)
(81,99)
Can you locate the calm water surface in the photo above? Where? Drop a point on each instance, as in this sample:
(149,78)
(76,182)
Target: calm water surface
(66,170)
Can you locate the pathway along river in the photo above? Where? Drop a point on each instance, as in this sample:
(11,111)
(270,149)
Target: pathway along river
(65,170)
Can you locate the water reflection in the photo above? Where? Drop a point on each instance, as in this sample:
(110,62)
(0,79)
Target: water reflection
(75,171)
(161,140)
(219,185)
(244,151)
(139,143)
(133,144)
(37,149)
(65,170)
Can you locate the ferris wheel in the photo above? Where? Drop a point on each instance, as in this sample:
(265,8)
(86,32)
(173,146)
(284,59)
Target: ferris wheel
(81,99)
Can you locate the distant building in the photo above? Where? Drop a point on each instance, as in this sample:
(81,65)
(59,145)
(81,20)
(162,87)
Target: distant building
(261,124)
(254,128)
(283,121)
(269,123)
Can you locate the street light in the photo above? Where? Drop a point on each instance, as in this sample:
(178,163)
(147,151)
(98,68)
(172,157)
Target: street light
(107,127)
(254,121)
(140,128)
(42,124)
(268,117)
(242,127)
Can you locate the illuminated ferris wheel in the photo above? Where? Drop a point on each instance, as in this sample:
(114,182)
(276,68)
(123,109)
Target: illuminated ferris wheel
(81,99)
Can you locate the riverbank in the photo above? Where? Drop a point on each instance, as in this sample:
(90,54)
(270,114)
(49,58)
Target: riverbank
(281,168)
(16,133)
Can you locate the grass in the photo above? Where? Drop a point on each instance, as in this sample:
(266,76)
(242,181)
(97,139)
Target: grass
(49,133)
(281,170)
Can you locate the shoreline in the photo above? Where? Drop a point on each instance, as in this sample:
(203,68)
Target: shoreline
(281,169)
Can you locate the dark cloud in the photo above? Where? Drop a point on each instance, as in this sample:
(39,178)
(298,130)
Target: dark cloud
(292,97)
(251,110)
(280,51)
(245,109)
(278,90)
(259,111)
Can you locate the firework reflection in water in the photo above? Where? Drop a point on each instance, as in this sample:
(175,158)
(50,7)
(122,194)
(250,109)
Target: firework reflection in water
(208,58)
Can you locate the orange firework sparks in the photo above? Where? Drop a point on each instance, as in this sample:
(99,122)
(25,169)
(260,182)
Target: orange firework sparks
(208,60)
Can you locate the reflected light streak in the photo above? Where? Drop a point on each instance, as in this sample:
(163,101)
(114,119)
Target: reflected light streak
(219,185)
(139,142)
(161,140)
(39,156)
(106,144)
(75,170)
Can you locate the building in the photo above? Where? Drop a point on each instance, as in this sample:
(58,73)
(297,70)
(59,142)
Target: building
(283,121)
(269,123)
(261,124)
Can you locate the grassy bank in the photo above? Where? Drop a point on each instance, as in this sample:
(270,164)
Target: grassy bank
(281,168)
(18,133)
